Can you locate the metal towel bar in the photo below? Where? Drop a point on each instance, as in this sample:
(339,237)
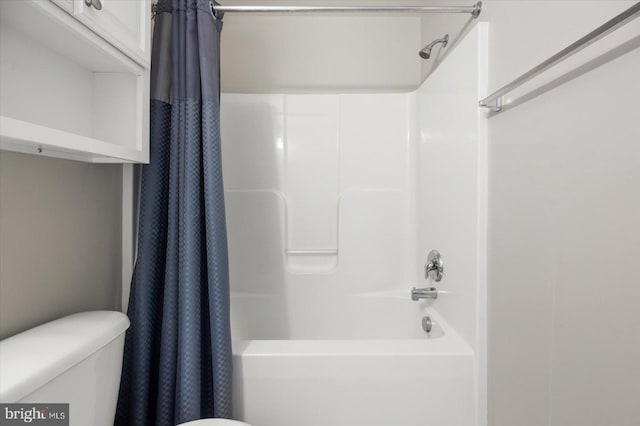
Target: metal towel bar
(495,100)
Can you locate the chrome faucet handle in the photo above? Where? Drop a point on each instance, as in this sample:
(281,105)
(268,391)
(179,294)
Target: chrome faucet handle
(434,268)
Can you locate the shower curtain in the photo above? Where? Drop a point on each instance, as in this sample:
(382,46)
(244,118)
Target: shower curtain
(177,357)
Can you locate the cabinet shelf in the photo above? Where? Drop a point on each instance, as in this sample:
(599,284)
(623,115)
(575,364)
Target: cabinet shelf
(22,136)
(67,91)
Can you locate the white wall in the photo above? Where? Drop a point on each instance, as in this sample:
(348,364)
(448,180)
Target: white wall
(435,26)
(564,329)
(344,53)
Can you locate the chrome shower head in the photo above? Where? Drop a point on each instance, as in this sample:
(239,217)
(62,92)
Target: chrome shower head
(425,53)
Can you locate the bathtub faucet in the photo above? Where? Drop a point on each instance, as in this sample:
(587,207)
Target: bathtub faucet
(424,293)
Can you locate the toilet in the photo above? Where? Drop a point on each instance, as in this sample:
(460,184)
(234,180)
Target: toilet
(75,360)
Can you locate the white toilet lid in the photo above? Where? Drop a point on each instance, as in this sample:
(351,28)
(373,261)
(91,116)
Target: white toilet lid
(214,422)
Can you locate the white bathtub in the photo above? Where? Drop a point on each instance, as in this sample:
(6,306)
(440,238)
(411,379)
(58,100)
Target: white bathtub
(358,361)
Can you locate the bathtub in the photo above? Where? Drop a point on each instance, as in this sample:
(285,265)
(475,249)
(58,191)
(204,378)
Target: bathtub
(360,360)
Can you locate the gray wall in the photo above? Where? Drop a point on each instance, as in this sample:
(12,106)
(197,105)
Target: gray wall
(60,239)
(564,225)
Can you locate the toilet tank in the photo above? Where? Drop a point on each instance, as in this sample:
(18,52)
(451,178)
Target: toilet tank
(75,360)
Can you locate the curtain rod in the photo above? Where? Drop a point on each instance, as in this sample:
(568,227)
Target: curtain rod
(495,101)
(472,10)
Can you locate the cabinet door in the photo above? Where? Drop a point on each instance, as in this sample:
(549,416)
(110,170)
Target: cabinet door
(124,23)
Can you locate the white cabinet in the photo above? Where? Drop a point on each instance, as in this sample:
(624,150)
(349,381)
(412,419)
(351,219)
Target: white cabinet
(68,91)
(124,23)
(65,4)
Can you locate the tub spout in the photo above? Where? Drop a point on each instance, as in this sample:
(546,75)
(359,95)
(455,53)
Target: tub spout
(424,293)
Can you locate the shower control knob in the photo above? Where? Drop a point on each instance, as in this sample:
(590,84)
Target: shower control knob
(434,268)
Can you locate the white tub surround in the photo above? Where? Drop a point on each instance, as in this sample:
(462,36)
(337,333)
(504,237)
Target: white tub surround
(333,202)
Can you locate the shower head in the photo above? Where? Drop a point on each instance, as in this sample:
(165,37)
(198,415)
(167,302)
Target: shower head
(425,53)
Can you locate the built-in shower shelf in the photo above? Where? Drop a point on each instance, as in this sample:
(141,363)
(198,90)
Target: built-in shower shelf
(22,136)
(312,252)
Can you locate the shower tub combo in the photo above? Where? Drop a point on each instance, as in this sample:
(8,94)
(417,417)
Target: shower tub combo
(334,203)
(365,361)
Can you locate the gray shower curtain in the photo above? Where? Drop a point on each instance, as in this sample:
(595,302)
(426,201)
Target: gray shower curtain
(177,358)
